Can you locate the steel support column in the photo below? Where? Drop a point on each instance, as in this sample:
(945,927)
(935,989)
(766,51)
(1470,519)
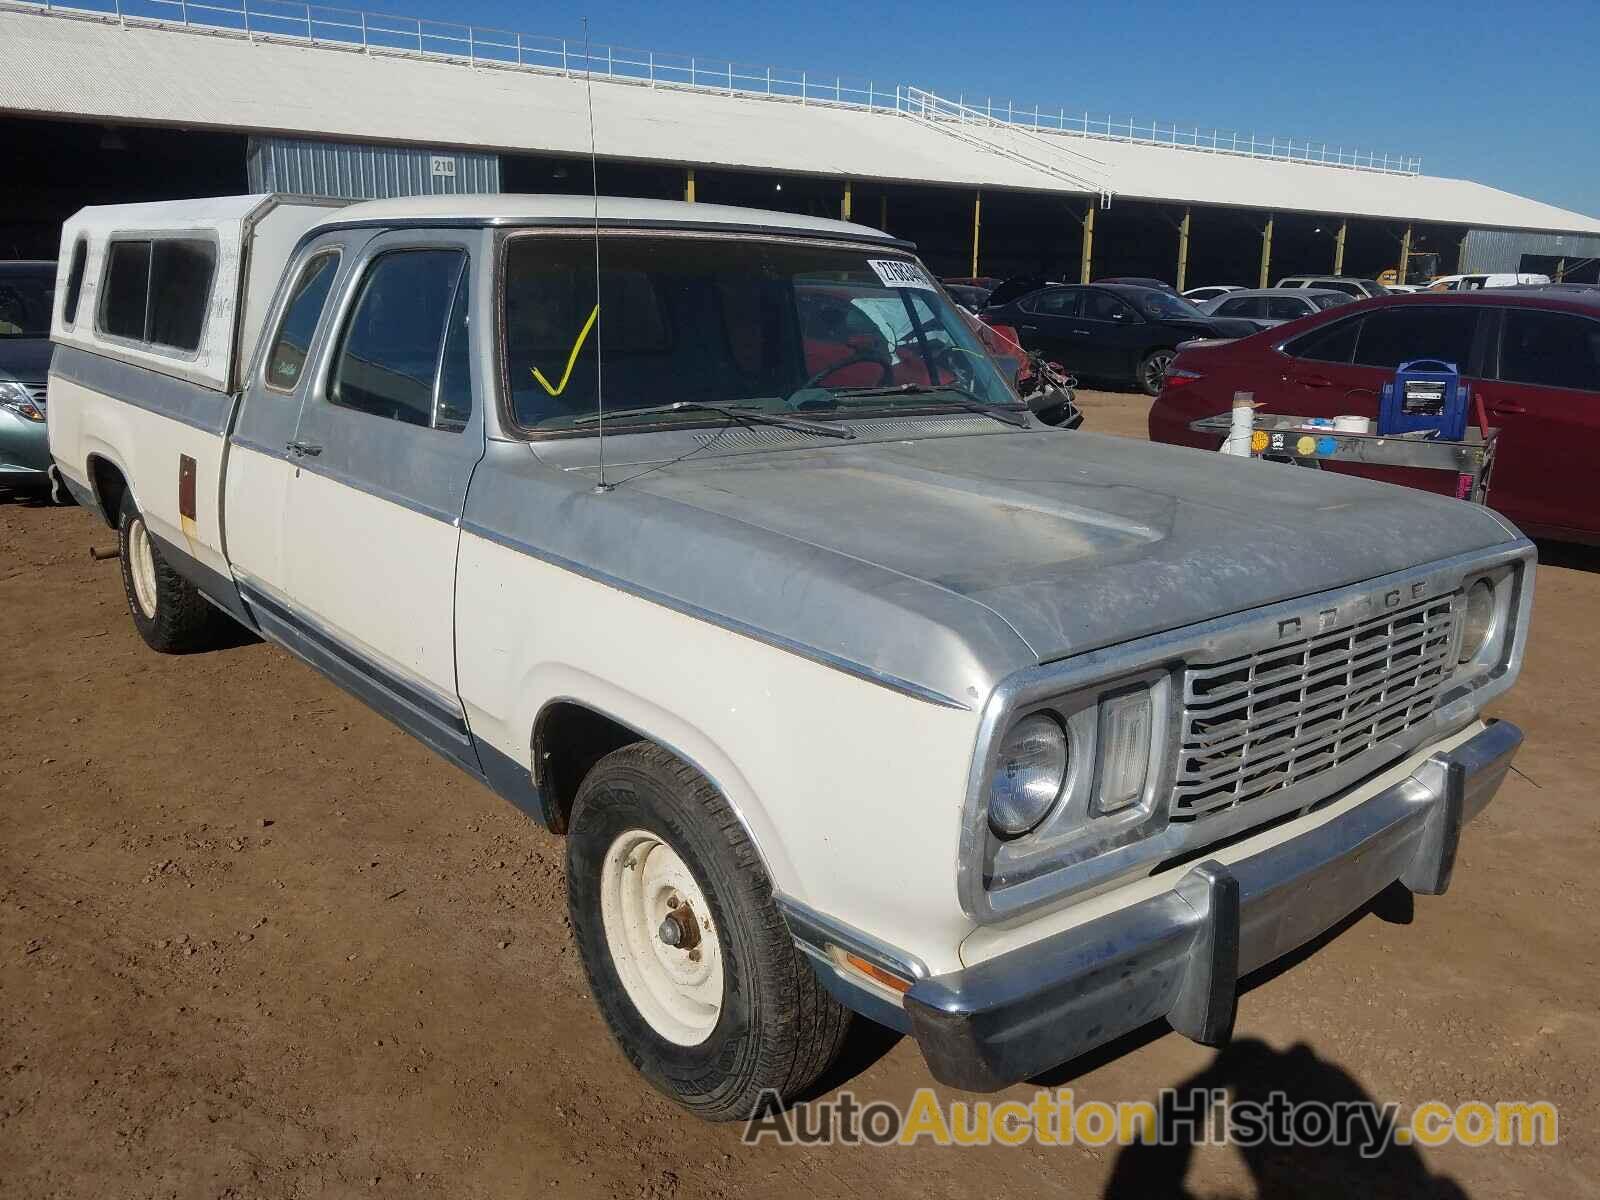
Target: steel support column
(688,185)
(1561,270)
(1183,249)
(883,212)
(1338,247)
(1266,251)
(844,205)
(977,223)
(1405,255)
(1088,243)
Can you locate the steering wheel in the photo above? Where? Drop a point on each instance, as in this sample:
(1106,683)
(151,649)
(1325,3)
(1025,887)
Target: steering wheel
(941,356)
(885,365)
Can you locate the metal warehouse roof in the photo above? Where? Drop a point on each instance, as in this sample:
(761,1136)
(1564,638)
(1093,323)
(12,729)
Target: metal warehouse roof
(91,68)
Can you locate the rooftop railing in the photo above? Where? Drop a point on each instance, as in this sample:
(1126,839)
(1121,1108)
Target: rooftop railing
(481,46)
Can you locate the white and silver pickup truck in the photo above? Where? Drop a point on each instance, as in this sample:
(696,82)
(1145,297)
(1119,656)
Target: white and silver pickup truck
(713,539)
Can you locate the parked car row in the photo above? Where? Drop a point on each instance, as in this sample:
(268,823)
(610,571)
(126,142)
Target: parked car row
(1532,356)
(1126,329)
(1111,331)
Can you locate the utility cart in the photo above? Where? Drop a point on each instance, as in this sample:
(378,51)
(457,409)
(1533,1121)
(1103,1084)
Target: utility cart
(1296,439)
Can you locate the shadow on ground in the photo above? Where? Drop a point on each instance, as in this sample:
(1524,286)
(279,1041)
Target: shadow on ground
(1250,1072)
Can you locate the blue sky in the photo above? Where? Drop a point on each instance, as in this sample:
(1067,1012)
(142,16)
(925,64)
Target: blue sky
(1505,94)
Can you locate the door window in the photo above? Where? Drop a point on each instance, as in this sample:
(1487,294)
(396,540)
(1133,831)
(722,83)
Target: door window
(301,316)
(1285,308)
(1244,306)
(1103,306)
(1062,302)
(389,359)
(1549,349)
(1392,336)
(454,409)
(1333,343)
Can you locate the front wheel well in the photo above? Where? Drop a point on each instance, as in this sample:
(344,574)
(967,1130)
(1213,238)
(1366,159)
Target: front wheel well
(568,740)
(110,486)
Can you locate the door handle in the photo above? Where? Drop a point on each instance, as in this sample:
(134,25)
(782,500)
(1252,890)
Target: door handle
(303,449)
(1507,408)
(1030,329)
(1080,332)
(1313,381)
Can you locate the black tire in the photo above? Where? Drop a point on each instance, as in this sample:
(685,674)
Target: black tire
(778,1028)
(1153,370)
(183,620)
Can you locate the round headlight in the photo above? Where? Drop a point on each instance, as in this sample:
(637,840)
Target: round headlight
(1478,620)
(1028,775)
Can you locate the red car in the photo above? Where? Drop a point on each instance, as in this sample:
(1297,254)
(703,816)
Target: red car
(1533,358)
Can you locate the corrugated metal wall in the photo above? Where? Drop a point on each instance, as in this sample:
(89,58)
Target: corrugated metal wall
(363,172)
(1502,249)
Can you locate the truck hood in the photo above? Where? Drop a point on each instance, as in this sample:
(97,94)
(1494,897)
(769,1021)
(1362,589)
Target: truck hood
(1079,540)
(943,564)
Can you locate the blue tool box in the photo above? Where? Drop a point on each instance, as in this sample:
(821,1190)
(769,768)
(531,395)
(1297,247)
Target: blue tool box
(1426,394)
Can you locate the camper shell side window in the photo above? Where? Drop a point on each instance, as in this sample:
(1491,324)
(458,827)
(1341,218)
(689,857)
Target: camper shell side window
(156,289)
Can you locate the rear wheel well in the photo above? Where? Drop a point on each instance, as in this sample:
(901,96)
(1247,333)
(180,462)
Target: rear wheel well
(568,740)
(109,487)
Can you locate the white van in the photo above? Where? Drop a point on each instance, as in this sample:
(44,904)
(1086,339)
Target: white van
(1472,283)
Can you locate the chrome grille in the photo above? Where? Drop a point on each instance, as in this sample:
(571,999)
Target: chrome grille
(1264,721)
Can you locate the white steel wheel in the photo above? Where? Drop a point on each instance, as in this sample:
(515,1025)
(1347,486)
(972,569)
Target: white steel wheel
(142,567)
(661,936)
(708,998)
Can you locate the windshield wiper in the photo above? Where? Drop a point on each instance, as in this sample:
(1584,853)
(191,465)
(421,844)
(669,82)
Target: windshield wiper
(737,412)
(960,396)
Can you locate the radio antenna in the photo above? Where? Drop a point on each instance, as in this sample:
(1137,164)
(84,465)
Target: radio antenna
(594,191)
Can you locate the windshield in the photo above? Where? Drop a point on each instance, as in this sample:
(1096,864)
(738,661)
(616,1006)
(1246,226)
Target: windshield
(808,330)
(1162,305)
(26,302)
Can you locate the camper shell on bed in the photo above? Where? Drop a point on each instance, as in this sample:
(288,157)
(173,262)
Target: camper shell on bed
(208,267)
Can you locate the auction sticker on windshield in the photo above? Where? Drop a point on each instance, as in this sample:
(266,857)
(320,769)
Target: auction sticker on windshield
(896,272)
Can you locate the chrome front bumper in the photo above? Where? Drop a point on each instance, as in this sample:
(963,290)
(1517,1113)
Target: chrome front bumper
(1179,954)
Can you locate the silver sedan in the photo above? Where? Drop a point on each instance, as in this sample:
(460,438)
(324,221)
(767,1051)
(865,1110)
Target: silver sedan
(1267,307)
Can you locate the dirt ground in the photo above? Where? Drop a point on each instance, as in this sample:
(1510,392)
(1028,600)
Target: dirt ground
(254,942)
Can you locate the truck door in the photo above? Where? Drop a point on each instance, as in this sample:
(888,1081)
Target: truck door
(384,448)
(256,482)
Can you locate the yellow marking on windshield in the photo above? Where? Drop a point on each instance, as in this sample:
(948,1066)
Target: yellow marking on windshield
(583,336)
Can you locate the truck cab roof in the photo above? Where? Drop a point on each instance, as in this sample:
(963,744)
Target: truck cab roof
(506,209)
(238,246)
